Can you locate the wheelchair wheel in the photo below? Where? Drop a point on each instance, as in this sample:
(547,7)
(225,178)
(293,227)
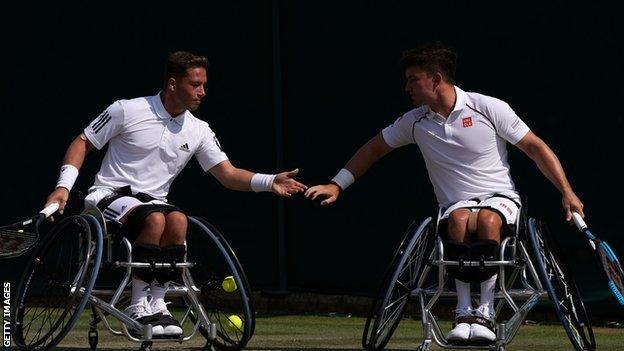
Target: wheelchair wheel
(562,290)
(401,278)
(56,284)
(229,307)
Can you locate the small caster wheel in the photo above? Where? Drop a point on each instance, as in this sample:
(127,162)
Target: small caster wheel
(146,346)
(93,338)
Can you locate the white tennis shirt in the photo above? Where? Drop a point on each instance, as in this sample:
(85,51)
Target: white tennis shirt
(466,153)
(148,147)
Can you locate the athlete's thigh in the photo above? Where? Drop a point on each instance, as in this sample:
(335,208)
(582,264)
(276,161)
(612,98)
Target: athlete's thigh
(507,208)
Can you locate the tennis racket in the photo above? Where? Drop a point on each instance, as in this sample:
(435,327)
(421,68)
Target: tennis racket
(16,239)
(607,258)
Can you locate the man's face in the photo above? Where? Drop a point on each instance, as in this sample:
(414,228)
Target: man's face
(190,89)
(419,85)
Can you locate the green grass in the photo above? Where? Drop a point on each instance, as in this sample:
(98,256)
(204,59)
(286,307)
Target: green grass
(343,333)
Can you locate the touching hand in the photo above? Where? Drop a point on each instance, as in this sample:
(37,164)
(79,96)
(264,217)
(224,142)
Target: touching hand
(328,192)
(285,185)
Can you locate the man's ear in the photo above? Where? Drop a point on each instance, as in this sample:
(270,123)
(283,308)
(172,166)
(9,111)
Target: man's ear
(171,84)
(437,79)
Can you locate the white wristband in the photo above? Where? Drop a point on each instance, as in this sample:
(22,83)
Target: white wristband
(68,176)
(262,182)
(344,178)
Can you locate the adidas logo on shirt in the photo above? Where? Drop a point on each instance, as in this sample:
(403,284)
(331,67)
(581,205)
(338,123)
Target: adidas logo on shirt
(185,147)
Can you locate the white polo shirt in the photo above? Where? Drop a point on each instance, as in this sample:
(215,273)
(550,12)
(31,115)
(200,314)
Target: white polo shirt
(466,153)
(148,147)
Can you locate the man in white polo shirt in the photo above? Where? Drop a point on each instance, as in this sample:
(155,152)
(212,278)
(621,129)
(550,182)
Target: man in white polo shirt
(463,138)
(150,140)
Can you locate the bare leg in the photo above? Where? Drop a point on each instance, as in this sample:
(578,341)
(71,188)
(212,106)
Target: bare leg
(175,229)
(489,225)
(457,221)
(152,230)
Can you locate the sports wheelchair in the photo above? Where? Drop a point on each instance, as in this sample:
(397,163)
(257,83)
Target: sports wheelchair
(531,268)
(61,279)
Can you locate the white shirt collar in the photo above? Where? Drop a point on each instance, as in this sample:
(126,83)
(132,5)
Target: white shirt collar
(460,104)
(460,100)
(162,113)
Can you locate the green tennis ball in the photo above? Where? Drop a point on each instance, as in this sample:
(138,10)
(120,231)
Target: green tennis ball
(20,231)
(229,284)
(235,323)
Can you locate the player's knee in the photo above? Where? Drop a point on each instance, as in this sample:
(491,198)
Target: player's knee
(155,221)
(457,223)
(177,219)
(489,223)
(176,224)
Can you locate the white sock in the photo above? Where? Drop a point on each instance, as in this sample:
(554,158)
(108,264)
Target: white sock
(139,291)
(158,291)
(487,293)
(463,295)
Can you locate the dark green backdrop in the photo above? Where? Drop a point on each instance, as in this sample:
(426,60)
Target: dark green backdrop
(304,84)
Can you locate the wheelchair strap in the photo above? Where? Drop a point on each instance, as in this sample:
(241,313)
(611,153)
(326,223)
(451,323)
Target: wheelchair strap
(472,221)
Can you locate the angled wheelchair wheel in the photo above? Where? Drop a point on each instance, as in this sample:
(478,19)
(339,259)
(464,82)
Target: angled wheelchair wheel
(400,279)
(562,290)
(56,283)
(224,290)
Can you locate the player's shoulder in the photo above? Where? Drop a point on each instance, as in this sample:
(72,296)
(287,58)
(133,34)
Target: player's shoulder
(135,104)
(415,114)
(485,104)
(196,123)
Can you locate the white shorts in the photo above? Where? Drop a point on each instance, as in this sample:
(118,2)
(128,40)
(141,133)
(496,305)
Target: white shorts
(117,209)
(121,206)
(508,208)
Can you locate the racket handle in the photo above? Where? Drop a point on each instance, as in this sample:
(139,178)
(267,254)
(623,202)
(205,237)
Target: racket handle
(50,209)
(578,220)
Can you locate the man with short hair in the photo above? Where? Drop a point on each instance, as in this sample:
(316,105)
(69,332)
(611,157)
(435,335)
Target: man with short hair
(462,137)
(150,140)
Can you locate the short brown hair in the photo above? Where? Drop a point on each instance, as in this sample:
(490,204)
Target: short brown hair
(432,58)
(179,62)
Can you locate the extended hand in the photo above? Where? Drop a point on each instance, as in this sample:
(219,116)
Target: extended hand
(285,185)
(329,192)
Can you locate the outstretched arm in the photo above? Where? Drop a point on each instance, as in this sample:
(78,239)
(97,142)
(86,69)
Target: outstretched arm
(74,157)
(549,165)
(363,159)
(282,184)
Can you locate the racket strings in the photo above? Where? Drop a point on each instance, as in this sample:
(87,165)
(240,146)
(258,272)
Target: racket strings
(11,239)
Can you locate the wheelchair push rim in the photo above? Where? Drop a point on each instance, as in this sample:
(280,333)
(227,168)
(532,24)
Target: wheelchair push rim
(561,287)
(221,305)
(399,281)
(65,289)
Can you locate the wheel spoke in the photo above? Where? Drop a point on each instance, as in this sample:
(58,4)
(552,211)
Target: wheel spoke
(561,288)
(400,280)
